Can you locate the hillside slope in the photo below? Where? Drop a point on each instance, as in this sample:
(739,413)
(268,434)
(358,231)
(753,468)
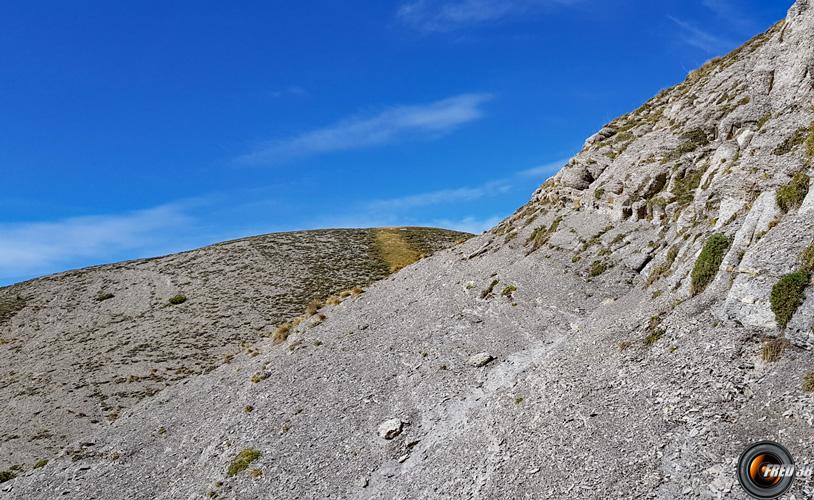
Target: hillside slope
(78,348)
(624,335)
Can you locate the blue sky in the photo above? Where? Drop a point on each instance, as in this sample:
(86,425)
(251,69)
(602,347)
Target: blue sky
(134,129)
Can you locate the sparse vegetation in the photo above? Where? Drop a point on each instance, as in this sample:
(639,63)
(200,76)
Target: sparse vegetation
(808,382)
(177,299)
(248,409)
(794,140)
(489,289)
(792,194)
(773,349)
(509,291)
(242,461)
(40,464)
(599,193)
(808,259)
(597,267)
(692,140)
(685,187)
(787,295)
(541,235)
(810,142)
(7,475)
(255,473)
(281,333)
(655,331)
(259,377)
(103,296)
(664,268)
(709,262)
(10,304)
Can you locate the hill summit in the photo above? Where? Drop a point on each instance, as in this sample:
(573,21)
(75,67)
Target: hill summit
(626,334)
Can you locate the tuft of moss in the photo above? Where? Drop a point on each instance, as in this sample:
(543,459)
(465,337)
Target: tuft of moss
(599,193)
(787,295)
(808,382)
(509,291)
(259,377)
(709,262)
(792,194)
(242,461)
(773,349)
(691,141)
(177,299)
(40,464)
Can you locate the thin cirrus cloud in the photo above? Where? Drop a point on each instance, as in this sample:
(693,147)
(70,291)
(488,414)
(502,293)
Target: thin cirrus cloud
(696,37)
(396,124)
(41,247)
(450,15)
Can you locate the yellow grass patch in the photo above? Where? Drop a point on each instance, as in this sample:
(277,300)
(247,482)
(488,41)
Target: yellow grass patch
(394,248)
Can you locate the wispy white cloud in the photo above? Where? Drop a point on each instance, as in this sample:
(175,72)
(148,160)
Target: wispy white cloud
(693,35)
(36,247)
(456,195)
(449,15)
(395,124)
(732,13)
(291,90)
(470,224)
(546,170)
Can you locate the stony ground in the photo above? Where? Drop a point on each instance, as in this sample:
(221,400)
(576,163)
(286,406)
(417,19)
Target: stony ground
(616,338)
(80,347)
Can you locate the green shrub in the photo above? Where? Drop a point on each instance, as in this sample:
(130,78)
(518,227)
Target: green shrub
(599,193)
(177,299)
(792,194)
(242,461)
(709,262)
(787,295)
(509,291)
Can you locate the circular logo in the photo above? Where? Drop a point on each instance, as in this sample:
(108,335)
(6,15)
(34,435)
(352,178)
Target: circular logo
(766,470)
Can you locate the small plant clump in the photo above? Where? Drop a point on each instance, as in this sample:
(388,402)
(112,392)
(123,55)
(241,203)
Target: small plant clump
(787,295)
(708,263)
(808,382)
(810,142)
(259,377)
(242,461)
(773,349)
(281,333)
(808,259)
(103,296)
(663,269)
(655,331)
(489,289)
(6,475)
(597,267)
(40,464)
(177,299)
(792,194)
(509,291)
(794,140)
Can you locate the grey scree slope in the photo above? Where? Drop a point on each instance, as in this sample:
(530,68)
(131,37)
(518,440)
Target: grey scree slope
(71,363)
(561,411)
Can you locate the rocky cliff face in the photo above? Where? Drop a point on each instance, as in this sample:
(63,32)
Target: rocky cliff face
(647,315)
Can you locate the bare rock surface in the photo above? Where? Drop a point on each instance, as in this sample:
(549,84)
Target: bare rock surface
(626,342)
(80,347)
